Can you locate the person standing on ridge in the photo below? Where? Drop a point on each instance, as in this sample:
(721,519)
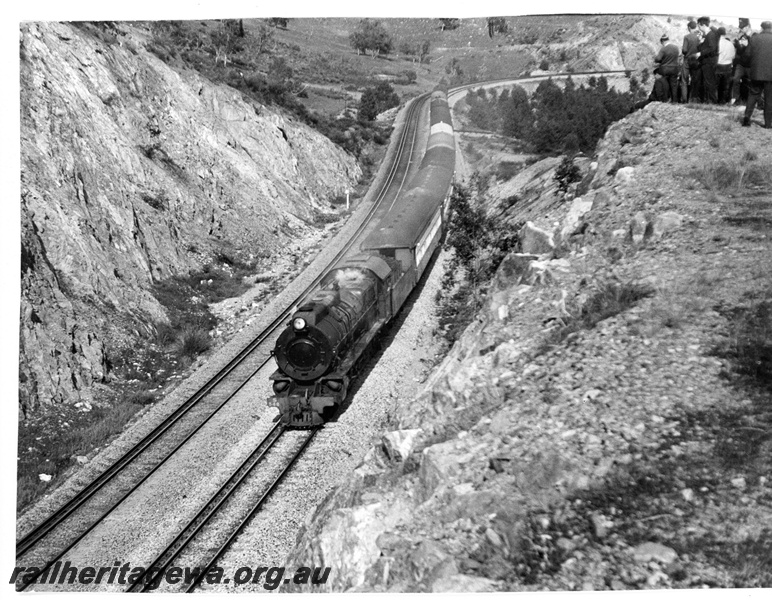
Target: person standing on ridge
(667,61)
(742,63)
(726,54)
(760,51)
(690,74)
(708,55)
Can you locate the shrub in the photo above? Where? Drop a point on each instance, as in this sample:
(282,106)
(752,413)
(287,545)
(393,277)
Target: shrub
(194,341)
(479,244)
(750,341)
(377,99)
(609,299)
(566,174)
(725,175)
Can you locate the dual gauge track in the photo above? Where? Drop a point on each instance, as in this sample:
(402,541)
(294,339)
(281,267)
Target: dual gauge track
(55,537)
(68,525)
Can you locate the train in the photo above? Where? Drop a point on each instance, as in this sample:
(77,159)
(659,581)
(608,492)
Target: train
(332,330)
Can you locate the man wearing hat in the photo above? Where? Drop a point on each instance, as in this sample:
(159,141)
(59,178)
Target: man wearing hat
(760,50)
(741,61)
(667,62)
(690,73)
(708,55)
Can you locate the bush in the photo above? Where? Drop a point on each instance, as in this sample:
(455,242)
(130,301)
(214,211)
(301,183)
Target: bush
(566,174)
(377,99)
(194,341)
(479,244)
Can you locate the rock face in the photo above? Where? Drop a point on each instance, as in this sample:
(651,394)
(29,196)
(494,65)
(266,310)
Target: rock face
(561,453)
(132,172)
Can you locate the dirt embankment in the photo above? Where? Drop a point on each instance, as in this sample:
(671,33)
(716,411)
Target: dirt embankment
(606,422)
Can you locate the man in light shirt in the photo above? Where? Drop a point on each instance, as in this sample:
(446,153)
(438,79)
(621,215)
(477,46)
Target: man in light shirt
(726,54)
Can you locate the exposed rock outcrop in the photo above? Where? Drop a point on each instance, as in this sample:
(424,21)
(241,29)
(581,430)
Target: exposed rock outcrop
(565,435)
(133,172)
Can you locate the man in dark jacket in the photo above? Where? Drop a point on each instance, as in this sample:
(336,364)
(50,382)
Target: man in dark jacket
(659,93)
(741,59)
(690,72)
(760,51)
(708,55)
(667,60)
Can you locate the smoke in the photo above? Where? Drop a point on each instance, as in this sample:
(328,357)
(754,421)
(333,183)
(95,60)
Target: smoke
(346,277)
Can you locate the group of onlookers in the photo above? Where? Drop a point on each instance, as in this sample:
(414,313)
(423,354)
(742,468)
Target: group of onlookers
(710,68)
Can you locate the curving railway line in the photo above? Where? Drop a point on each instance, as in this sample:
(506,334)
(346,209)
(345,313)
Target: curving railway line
(53,538)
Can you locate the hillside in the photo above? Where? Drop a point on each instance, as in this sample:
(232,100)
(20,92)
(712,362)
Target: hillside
(133,173)
(606,420)
(139,163)
(166,193)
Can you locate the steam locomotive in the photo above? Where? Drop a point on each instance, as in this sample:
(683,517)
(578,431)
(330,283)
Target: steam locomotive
(330,332)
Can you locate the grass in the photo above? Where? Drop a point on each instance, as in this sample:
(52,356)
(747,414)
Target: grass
(734,175)
(140,371)
(608,300)
(675,303)
(749,344)
(48,447)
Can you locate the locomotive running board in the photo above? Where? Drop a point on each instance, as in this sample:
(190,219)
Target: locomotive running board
(360,347)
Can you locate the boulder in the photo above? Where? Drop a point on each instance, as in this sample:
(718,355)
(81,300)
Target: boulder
(542,272)
(572,221)
(667,221)
(512,269)
(429,563)
(652,551)
(534,240)
(624,175)
(398,445)
(438,465)
(640,228)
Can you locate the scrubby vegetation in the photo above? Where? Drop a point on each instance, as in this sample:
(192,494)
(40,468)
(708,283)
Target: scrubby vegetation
(554,119)
(50,443)
(749,344)
(377,99)
(607,300)
(247,59)
(479,244)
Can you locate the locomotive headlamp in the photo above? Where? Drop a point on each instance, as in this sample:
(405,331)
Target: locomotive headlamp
(299,324)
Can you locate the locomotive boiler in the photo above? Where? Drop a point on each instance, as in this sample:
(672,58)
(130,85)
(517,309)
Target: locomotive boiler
(329,333)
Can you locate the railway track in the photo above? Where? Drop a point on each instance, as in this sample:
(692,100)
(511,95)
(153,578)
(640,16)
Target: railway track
(107,491)
(246,471)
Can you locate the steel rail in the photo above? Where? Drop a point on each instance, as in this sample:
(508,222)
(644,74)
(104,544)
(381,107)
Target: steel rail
(50,562)
(245,521)
(181,541)
(33,537)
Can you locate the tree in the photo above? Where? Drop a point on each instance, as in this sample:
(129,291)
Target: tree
(259,41)
(424,52)
(449,24)
(453,68)
(544,65)
(370,37)
(226,39)
(278,22)
(497,25)
(517,117)
(376,99)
